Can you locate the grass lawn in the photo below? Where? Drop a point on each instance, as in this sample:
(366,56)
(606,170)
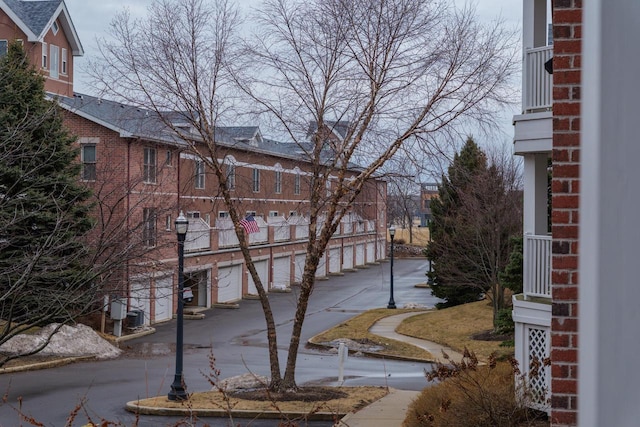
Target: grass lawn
(454,328)
(357,329)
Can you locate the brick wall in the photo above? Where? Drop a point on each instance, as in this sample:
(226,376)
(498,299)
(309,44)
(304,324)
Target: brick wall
(567,34)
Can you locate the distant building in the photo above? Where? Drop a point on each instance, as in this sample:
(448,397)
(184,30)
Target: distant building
(427,192)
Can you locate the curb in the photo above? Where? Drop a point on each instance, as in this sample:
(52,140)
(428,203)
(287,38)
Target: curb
(377,355)
(148,410)
(45,365)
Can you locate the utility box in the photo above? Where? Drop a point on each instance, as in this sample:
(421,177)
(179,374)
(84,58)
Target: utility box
(118,308)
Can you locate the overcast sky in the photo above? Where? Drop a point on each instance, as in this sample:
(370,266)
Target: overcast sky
(92,17)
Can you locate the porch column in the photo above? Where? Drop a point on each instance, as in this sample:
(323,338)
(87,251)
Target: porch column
(535,194)
(534,28)
(609,294)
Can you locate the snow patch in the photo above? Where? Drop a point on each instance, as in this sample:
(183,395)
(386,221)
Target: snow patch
(79,340)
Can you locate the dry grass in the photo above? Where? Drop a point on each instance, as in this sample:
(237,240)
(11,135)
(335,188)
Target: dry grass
(354,398)
(357,329)
(454,327)
(420,235)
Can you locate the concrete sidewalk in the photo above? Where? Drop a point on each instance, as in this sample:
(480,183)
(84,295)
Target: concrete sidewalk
(390,411)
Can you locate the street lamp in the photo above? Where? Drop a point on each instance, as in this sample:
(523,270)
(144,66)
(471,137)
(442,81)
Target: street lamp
(430,280)
(178,388)
(392,303)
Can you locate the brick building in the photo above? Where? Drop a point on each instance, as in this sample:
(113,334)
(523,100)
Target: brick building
(548,133)
(143,176)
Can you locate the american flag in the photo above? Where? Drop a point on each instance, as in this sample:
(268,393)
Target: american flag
(250,225)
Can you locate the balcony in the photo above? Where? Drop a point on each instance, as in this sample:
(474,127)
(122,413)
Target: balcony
(202,238)
(537,266)
(533,128)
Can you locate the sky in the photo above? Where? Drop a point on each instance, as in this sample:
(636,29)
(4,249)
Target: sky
(92,18)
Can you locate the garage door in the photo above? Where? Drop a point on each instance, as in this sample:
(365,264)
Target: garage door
(347,257)
(371,252)
(382,253)
(140,298)
(360,254)
(299,267)
(164,299)
(322,266)
(262,267)
(230,283)
(334,260)
(282,272)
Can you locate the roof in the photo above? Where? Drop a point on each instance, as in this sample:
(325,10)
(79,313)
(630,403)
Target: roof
(35,18)
(339,128)
(135,122)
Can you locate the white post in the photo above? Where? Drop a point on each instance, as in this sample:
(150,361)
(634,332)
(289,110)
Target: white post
(609,321)
(343,353)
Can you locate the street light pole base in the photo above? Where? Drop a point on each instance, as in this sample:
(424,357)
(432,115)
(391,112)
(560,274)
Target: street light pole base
(178,392)
(391,305)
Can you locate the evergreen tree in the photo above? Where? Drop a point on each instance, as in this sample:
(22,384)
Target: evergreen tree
(445,225)
(44,275)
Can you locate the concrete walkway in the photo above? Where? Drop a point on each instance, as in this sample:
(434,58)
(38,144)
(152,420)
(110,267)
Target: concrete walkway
(386,327)
(390,411)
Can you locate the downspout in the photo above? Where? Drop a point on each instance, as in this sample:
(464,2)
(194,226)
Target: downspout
(128,218)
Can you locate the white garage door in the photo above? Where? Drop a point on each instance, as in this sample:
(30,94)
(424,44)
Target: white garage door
(371,252)
(299,267)
(347,257)
(229,283)
(140,298)
(282,272)
(262,267)
(360,254)
(322,266)
(382,253)
(164,299)
(334,260)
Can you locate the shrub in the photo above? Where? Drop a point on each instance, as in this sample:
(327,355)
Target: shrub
(472,395)
(504,322)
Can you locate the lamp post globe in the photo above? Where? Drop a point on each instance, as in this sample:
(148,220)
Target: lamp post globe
(178,387)
(392,303)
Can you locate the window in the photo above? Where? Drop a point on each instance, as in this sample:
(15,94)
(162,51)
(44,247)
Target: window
(231,176)
(273,214)
(293,213)
(169,159)
(223,214)
(256,180)
(54,28)
(149,227)
(193,214)
(3,48)
(278,182)
(199,171)
(88,159)
(167,223)
(149,168)
(64,61)
(296,183)
(54,56)
(44,55)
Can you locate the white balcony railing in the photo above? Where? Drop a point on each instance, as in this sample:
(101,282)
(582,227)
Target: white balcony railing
(537,266)
(538,83)
(198,236)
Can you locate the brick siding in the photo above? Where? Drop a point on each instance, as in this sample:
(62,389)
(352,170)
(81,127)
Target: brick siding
(567,33)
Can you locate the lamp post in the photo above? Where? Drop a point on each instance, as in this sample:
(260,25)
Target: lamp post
(430,279)
(392,303)
(178,388)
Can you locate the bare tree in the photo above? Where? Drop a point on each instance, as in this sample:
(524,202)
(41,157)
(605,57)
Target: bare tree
(369,77)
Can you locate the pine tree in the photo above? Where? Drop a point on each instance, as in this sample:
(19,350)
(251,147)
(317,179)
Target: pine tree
(446,224)
(44,211)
